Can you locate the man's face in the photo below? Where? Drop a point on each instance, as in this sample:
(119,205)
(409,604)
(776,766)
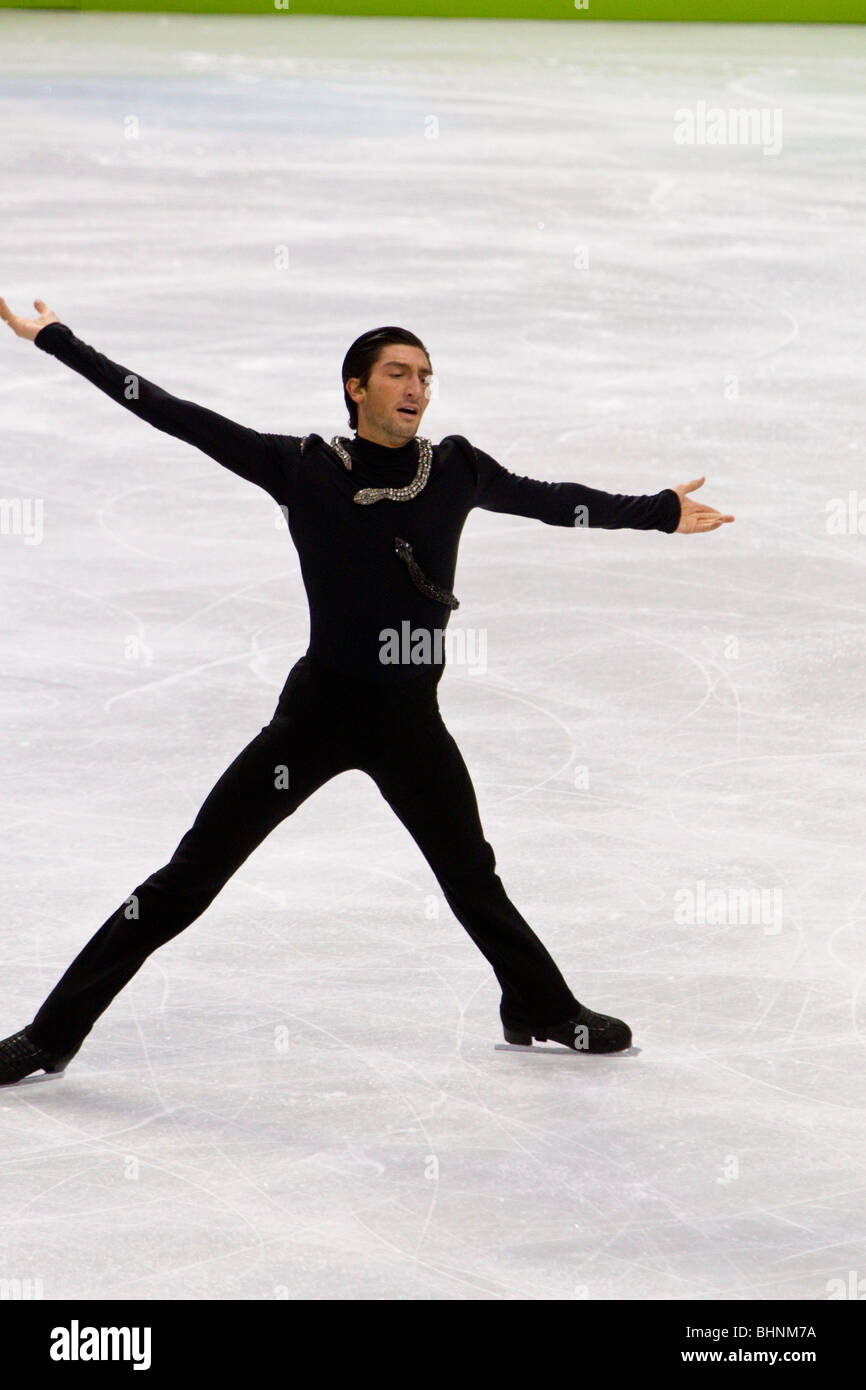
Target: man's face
(397,393)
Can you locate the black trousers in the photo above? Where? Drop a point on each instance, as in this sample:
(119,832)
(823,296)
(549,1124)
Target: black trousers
(321,726)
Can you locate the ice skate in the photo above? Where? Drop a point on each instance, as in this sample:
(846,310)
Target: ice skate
(585,1031)
(19,1058)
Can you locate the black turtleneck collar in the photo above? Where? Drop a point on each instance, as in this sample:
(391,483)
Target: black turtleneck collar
(381,453)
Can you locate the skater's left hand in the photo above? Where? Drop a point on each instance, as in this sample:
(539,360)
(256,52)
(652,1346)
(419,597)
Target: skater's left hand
(697,516)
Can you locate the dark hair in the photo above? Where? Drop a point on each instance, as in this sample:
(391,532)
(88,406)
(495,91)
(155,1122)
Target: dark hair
(363,355)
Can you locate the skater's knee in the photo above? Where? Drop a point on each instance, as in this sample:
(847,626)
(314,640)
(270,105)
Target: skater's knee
(468,868)
(195,885)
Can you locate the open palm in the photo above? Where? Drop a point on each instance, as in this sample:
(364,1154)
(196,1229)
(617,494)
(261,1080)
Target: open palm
(28,328)
(696,516)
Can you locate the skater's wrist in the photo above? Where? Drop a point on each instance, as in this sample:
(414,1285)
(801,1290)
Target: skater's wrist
(673,510)
(51,334)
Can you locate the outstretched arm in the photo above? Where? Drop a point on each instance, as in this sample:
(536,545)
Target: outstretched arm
(575,504)
(264,459)
(570,504)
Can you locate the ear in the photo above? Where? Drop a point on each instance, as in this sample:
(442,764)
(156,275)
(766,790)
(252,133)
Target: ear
(356,392)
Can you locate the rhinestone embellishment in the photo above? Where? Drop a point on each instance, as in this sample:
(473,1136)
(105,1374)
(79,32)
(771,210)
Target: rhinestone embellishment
(366,495)
(404,550)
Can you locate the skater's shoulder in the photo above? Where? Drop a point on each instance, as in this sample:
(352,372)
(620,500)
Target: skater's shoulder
(308,443)
(291,446)
(458,444)
(455,441)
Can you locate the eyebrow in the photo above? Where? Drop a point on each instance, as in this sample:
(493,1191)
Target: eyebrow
(428,370)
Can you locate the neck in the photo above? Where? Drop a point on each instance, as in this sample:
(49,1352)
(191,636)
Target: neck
(373,436)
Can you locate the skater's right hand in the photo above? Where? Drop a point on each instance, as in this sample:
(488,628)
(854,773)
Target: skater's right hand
(27,328)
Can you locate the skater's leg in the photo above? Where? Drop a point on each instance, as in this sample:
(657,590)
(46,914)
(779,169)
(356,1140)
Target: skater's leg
(420,771)
(291,756)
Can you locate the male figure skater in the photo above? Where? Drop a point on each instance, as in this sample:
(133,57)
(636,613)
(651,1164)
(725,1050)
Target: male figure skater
(376,521)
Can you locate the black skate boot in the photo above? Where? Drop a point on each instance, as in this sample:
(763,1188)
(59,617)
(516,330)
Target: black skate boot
(585,1031)
(19,1057)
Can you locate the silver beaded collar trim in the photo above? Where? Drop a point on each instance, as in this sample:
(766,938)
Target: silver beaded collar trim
(394,494)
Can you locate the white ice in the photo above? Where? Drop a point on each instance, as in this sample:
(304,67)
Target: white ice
(223,205)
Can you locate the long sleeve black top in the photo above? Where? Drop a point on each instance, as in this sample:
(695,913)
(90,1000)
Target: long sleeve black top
(359,589)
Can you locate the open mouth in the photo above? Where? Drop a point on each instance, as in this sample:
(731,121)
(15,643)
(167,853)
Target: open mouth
(407,410)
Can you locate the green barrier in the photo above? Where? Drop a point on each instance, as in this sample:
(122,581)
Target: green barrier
(739,11)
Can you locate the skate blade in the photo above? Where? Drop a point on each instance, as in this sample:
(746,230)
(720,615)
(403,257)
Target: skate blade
(37,1076)
(575,1052)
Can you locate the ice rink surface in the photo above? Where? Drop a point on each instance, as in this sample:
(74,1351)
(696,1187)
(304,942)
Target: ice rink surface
(301,1096)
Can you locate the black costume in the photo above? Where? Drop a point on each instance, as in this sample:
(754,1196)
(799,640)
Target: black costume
(367,569)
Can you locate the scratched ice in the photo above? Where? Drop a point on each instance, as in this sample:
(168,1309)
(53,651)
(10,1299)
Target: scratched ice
(301,1095)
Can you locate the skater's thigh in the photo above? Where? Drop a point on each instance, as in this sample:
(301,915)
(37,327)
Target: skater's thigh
(423,776)
(284,764)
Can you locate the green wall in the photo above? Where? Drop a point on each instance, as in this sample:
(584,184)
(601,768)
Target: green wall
(763,11)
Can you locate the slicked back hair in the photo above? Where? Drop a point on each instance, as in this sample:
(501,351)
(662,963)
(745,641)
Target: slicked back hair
(364,353)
